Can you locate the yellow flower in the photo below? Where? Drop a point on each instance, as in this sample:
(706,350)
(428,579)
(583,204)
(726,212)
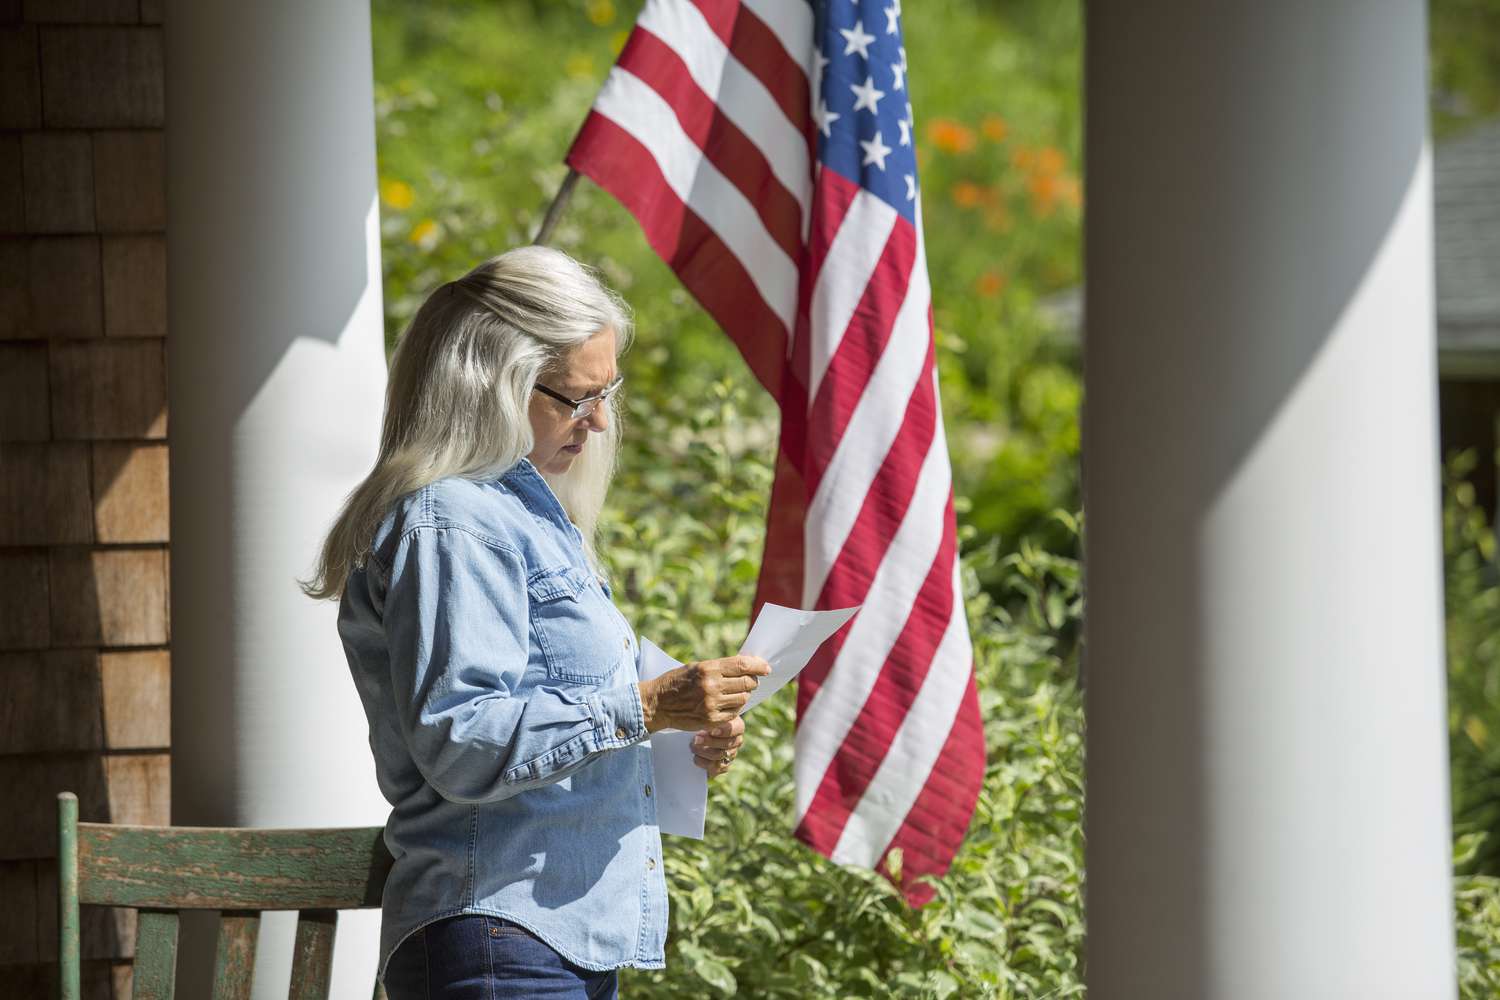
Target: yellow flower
(579,66)
(397,194)
(424,234)
(617,41)
(601,12)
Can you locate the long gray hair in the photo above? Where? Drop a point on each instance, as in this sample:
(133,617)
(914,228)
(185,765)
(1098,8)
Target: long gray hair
(459,389)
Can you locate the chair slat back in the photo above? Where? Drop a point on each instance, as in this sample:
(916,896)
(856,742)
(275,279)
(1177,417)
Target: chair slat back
(155,973)
(234,962)
(240,872)
(312,955)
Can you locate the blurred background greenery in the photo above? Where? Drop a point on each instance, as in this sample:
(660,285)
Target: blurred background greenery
(476,104)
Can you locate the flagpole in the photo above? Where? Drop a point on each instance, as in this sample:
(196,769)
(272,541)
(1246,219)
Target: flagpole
(555,210)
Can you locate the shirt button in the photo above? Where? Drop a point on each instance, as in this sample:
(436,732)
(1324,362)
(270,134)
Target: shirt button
(625,643)
(648,791)
(619,734)
(650,864)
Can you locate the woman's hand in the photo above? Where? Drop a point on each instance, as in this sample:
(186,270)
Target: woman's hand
(714,748)
(699,695)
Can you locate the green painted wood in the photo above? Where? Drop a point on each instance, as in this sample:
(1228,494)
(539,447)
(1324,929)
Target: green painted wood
(312,954)
(155,974)
(67,897)
(234,963)
(231,869)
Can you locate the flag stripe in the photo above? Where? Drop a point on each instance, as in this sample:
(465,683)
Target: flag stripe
(891,793)
(639,110)
(846,273)
(748,31)
(791,24)
(831,710)
(882,733)
(741,97)
(625,168)
(859,350)
(893,695)
(653,62)
(934,827)
(839,489)
(881,515)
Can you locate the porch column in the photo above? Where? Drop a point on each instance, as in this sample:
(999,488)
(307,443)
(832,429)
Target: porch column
(1267,809)
(276,372)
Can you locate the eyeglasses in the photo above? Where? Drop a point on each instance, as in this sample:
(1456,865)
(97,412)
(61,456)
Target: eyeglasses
(586,406)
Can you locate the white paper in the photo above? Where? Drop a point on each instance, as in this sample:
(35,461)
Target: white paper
(681,785)
(786,638)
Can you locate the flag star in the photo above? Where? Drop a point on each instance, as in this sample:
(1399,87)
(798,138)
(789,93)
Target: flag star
(899,72)
(857,40)
(905,127)
(825,117)
(902,50)
(821,64)
(866,96)
(875,151)
(911,187)
(891,13)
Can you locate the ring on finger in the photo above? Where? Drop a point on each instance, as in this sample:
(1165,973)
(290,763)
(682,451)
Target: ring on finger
(727,756)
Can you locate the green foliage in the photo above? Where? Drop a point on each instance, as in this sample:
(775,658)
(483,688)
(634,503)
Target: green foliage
(1473,641)
(477,103)
(755,913)
(1472,588)
(1465,46)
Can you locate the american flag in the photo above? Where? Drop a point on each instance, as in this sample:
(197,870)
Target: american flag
(766,147)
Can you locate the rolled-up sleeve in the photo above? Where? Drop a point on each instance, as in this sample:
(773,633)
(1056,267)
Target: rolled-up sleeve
(457,624)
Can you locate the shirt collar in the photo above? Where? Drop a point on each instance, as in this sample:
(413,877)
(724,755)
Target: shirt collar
(527,479)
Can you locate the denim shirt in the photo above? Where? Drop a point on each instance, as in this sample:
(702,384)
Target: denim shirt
(499,681)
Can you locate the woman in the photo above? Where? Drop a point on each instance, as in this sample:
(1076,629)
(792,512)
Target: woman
(506,716)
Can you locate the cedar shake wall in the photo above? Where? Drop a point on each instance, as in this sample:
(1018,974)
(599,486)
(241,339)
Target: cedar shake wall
(84,666)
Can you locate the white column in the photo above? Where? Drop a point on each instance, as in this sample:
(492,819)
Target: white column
(277,371)
(1267,809)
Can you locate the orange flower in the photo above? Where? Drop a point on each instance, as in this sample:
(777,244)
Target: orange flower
(989,284)
(1049,160)
(967,194)
(1045,191)
(1071,191)
(1023,158)
(993,128)
(950,136)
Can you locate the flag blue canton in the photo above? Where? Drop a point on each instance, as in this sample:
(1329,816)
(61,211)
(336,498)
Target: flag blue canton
(860,105)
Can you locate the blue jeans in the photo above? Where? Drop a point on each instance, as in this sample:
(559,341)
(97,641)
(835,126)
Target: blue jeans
(478,957)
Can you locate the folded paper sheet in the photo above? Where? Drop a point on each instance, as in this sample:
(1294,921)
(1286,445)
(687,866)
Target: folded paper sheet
(786,638)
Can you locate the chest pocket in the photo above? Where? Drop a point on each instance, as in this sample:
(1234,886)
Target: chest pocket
(578,630)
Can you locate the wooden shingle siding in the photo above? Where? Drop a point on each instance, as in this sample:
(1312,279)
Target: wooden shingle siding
(131,181)
(64,287)
(85,685)
(57,178)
